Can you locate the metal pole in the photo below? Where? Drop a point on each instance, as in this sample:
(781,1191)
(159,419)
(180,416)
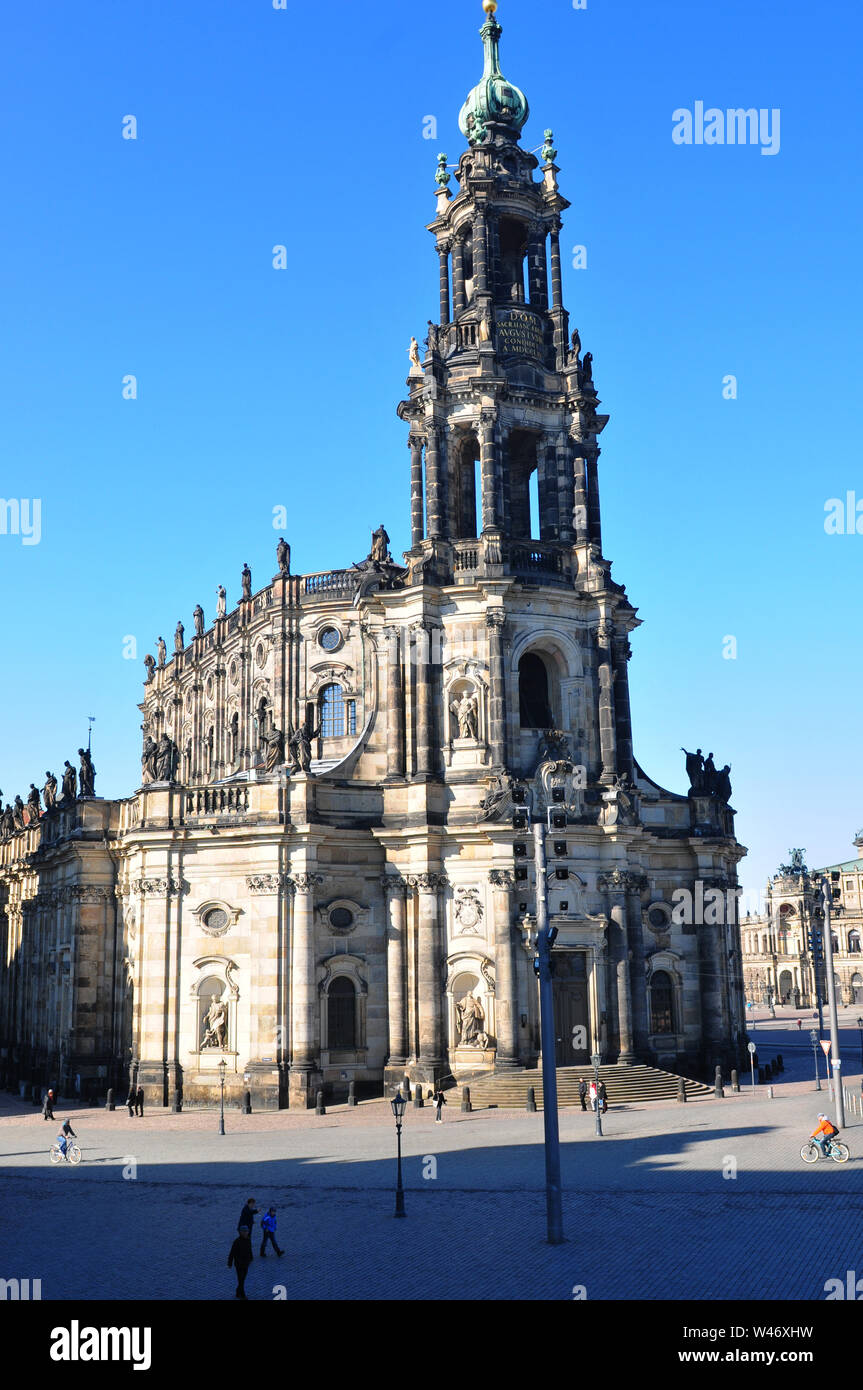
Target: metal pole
(836,1060)
(814,1040)
(400,1193)
(598,1127)
(222,1107)
(553,1202)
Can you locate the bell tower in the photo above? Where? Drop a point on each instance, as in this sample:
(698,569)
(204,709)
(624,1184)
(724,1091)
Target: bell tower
(502,407)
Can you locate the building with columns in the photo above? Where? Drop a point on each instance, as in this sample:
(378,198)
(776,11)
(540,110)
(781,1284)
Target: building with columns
(320,878)
(779,966)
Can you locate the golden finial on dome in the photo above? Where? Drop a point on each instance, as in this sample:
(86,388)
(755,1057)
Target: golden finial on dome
(489,6)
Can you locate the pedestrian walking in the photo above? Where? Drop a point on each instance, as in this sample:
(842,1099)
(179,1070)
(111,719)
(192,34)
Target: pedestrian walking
(139,1102)
(439,1101)
(268,1233)
(593,1095)
(602,1096)
(131,1104)
(241,1257)
(48,1106)
(247,1215)
(582,1093)
(799,1024)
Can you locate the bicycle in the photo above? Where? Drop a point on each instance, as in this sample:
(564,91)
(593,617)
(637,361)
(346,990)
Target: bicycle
(72,1155)
(835,1149)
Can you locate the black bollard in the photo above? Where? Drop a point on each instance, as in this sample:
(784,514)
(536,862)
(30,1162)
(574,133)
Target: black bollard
(717,1084)
(735,1081)
(780,1062)
(319,1103)
(760,1076)
(531,1099)
(352,1094)
(109,1099)
(418,1097)
(768,1072)
(681,1091)
(247,1103)
(465,1100)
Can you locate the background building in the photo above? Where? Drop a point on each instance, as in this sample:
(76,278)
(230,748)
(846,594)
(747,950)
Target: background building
(318,880)
(778,961)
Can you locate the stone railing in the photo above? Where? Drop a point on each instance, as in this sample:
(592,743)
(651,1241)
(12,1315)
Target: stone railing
(330,584)
(215,801)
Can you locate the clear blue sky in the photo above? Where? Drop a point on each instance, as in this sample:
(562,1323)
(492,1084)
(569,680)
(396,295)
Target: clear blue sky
(259,388)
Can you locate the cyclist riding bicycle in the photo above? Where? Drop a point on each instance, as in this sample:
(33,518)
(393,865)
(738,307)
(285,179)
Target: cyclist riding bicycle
(823,1133)
(64,1135)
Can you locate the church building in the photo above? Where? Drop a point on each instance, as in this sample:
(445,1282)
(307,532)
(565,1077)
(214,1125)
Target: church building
(325,875)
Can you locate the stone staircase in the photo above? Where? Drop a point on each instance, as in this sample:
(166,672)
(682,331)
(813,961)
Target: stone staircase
(624,1086)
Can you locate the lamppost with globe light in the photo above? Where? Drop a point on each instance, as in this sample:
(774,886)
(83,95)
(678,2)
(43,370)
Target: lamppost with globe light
(399,1104)
(860,1026)
(223,1067)
(595,1059)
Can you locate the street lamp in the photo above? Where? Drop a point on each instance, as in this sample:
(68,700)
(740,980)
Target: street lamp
(813,1038)
(399,1104)
(223,1067)
(595,1060)
(860,1026)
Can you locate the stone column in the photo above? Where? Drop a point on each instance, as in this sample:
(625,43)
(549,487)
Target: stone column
(506,1001)
(304,990)
(415,444)
(488,470)
(556,277)
(429,982)
(594,522)
(638,979)
(599,999)
(434,497)
(621,652)
(565,488)
(423,675)
(495,619)
(443,253)
(395,706)
(480,252)
(458,299)
(607,730)
(549,496)
(615,884)
(394,893)
(537,269)
(579,510)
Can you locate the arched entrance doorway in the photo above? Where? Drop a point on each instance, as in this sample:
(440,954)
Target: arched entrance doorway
(786,985)
(571,1015)
(857,987)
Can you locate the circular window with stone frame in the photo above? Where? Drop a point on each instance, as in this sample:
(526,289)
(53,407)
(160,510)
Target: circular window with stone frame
(341,920)
(210,687)
(234,673)
(330,639)
(215,921)
(261,655)
(659,917)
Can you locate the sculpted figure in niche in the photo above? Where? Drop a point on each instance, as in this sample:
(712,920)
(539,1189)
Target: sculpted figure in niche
(471,1017)
(216,1025)
(300,744)
(49,791)
(466,710)
(166,759)
(148,761)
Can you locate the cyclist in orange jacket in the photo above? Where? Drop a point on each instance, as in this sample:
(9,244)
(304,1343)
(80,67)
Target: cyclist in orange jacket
(824,1131)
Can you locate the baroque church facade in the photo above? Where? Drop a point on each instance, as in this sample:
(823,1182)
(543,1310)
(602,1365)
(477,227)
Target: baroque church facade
(324,877)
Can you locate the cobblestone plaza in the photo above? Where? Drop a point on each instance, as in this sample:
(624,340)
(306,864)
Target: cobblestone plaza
(475,1201)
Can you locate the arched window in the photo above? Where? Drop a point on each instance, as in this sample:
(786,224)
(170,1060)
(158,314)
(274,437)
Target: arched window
(342,1014)
(338,716)
(854,943)
(661,1003)
(533,699)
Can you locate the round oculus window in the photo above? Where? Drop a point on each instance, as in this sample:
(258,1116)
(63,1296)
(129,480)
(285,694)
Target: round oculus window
(215,921)
(657,917)
(330,638)
(341,919)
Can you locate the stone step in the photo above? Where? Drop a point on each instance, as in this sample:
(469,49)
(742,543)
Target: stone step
(624,1085)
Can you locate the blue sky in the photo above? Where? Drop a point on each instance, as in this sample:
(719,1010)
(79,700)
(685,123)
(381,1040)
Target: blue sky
(259,388)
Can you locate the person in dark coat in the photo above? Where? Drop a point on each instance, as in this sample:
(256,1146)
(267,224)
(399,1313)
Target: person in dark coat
(602,1098)
(48,1106)
(247,1215)
(439,1100)
(241,1257)
(582,1093)
(131,1104)
(139,1101)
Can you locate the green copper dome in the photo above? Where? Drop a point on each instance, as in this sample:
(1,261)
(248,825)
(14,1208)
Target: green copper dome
(493,99)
